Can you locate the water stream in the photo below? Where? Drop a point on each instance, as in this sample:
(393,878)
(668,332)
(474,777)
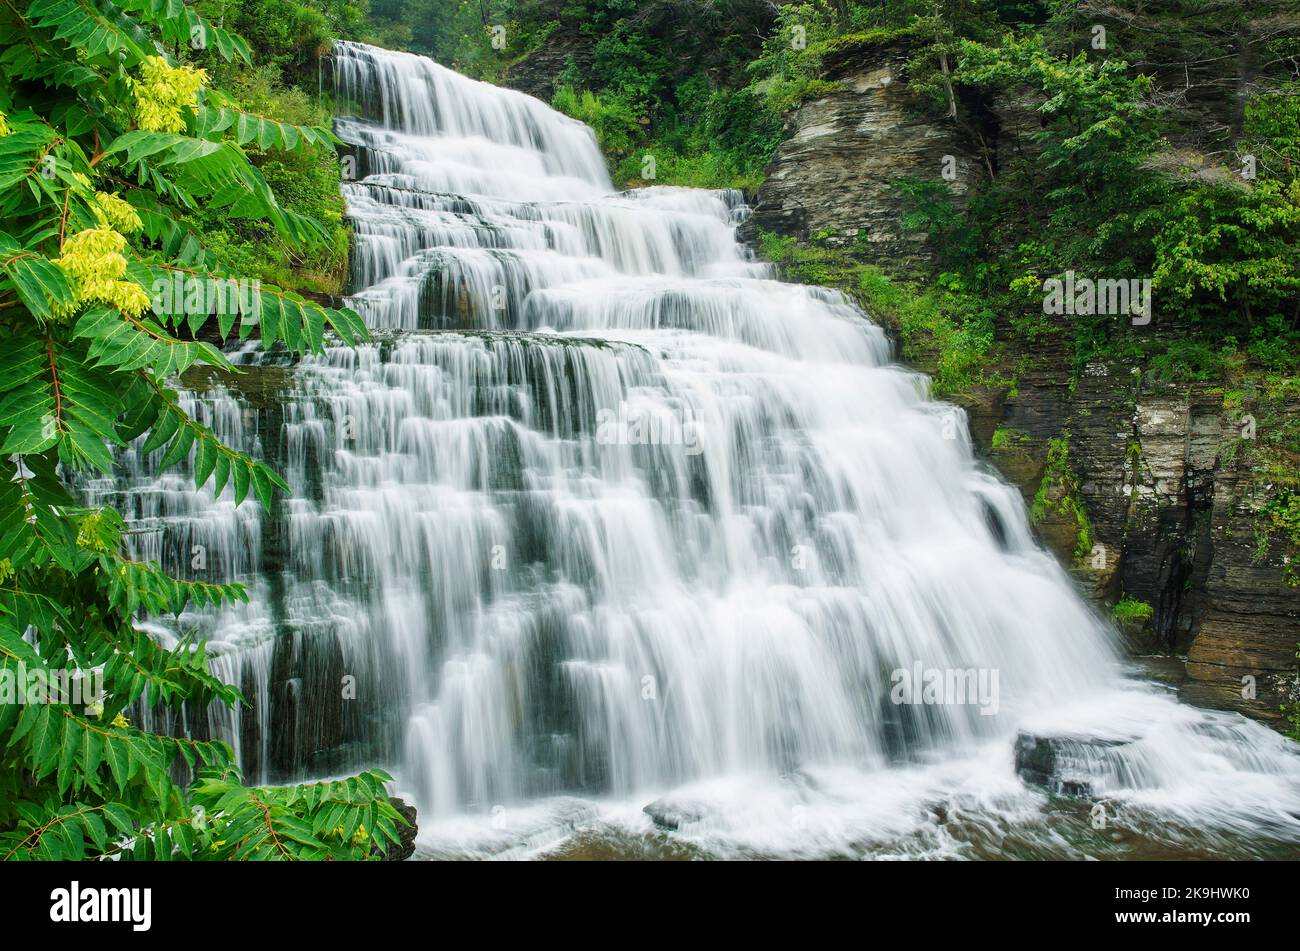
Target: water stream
(606,518)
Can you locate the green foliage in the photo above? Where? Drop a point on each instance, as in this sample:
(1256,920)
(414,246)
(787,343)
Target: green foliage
(721,141)
(944,327)
(302,169)
(106,180)
(659,79)
(1281,519)
(931,208)
(1005,438)
(289,35)
(948,321)
(1232,247)
(1058,494)
(1082,201)
(1183,361)
(452,32)
(612,117)
(1106,197)
(1131,611)
(788,70)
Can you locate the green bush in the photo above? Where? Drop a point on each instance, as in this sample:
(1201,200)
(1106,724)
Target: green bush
(1130,610)
(306,180)
(612,117)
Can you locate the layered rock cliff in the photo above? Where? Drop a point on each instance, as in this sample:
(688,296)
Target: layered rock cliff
(832,176)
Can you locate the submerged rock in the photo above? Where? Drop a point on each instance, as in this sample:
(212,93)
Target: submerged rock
(671,815)
(1060,764)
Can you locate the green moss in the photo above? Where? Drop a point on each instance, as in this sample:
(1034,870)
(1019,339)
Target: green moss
(1131,610)
(1058,494)
(943,327)
(1006,438)
(868,40)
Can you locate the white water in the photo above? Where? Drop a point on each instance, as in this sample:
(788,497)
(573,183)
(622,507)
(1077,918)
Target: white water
(553,622)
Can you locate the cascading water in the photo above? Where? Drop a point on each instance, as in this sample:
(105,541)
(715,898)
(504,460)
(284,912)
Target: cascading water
(606,517)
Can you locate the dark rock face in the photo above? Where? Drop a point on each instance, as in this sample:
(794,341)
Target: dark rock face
(536,73)
(1171,519)
(1243,655)
(833,173)
(1036,760)
(302,723)
(1173,525)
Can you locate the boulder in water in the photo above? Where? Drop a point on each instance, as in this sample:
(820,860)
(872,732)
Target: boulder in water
(672,814)
(1054,763)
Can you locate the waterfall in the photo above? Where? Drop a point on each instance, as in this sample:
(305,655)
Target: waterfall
(611,543)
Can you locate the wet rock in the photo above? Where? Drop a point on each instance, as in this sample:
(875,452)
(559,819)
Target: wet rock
(1061,764)
(672,814)
(1243,655)
(1161,668)
(983,405)
(261,385)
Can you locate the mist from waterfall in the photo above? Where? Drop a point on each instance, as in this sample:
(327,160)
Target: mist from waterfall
(606,515)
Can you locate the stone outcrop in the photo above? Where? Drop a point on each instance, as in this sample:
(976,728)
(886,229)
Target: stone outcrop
(1244,652)
(1174,523)
(1062,765)
(833,175)
(536,73)
(673,814)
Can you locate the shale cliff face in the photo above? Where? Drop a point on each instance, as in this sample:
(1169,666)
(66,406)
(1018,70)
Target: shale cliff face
(1137,485)
(832,174)
(1173,518)
(536,74)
